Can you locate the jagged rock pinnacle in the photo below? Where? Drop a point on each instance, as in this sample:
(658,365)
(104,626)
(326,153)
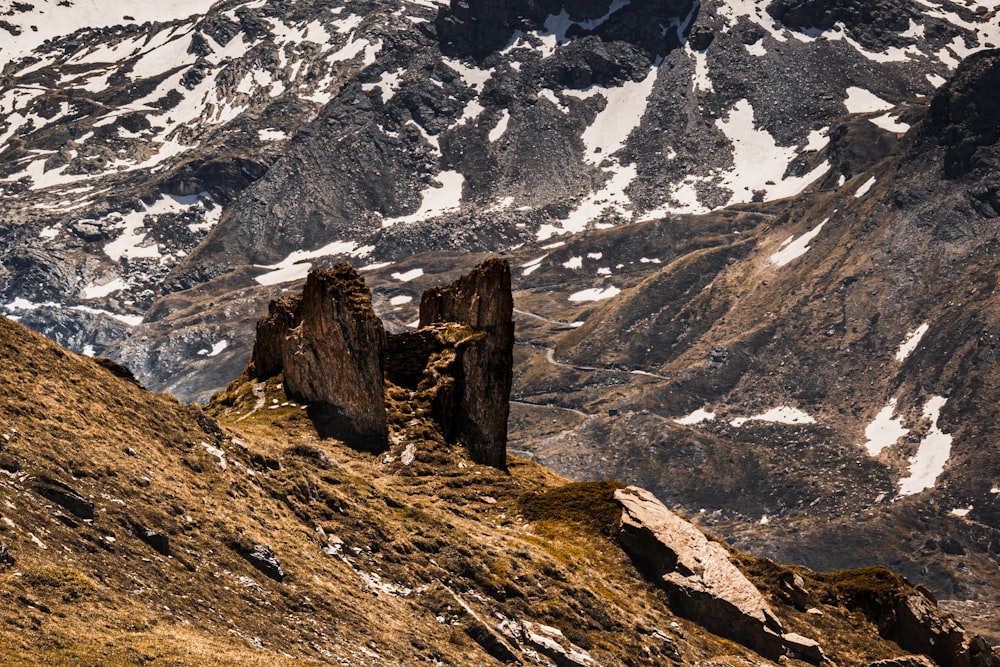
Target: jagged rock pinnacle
(330,346)
(333,350)
(482,299)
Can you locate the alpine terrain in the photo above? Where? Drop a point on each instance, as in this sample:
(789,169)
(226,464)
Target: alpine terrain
(752,253)
(137,530)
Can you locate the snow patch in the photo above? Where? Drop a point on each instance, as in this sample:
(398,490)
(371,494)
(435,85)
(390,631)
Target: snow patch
(626,105)
(532,266)
(961,511)
(94,291)
(473,76)
(701,81)
(911,341)
(864,188)
(932,453)
(435,199)
(573,263)
(884,431)
(46,20)
(758,159)
(387,84)
(611,197)
(407,276)
(793,248)
(133,244)
(400,299)
(697,417)
(501,127)
(216,349)
(131,320)
(295,266)
(594,294)
(271,134)
(890,123)
(779,415)
(859,100)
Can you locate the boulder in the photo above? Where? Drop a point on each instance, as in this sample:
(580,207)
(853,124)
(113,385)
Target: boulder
(702,582)
(552,643)
(160,542)
(260,556)
(477,413)
(66,496)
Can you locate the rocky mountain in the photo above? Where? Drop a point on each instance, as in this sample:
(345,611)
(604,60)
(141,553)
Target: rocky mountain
(139,530)
(227,146)
(752,241)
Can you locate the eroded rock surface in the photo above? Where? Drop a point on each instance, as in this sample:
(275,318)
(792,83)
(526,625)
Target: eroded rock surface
(918,625)
(702,582)
(330,345)
(334,355)
(477,415)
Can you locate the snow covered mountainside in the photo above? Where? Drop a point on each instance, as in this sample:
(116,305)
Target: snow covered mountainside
(147,153)
(753,241)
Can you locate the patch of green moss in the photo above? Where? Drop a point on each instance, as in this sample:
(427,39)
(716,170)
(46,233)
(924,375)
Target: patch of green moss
(590,504)
(64,582)
(869,587)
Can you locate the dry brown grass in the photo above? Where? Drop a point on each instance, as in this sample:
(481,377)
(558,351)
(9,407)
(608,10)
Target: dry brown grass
(384,563)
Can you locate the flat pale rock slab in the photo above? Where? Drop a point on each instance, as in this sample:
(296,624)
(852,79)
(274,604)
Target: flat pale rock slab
(703,583)
(690,559)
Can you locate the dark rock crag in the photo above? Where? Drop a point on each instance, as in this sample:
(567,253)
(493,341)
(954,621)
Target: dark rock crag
(963,119)
(335,355)
(330,346)
(477,414)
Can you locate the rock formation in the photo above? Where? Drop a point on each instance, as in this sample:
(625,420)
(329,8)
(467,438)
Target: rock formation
(917,625)
(702,582)
(335,355)
(330,346)
(477,416)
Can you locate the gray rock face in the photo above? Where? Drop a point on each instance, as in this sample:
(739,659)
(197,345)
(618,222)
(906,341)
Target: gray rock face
(702,582)
(330,346)
(478,414)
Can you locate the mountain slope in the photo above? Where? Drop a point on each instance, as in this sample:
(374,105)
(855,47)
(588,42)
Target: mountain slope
(170,527)
(862,318)
(245,140)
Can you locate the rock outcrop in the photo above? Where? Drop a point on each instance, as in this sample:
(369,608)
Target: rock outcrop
(904,661)
(477,413)
(962,117)
(330,345)
(334,355)
(702,582)
(917,625)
